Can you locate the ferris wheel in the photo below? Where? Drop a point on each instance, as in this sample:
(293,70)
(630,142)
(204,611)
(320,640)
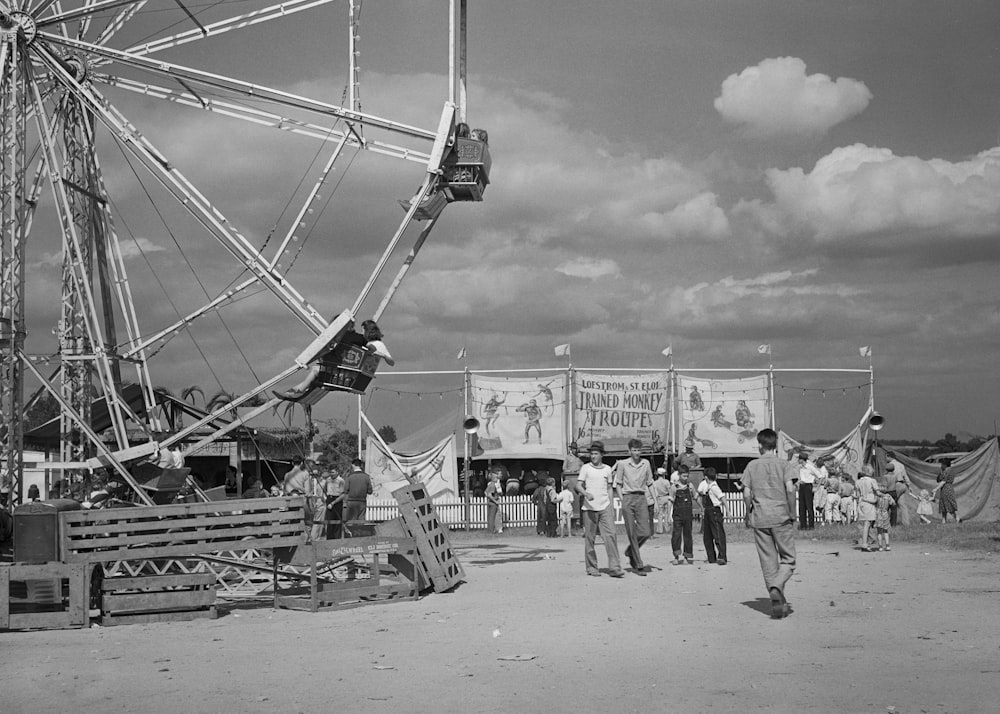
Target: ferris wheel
(67,68)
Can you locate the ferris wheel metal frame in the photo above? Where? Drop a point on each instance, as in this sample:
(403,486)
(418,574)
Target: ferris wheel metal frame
(55,55)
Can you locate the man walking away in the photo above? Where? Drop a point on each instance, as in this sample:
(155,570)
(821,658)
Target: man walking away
(769,492)
(359,487)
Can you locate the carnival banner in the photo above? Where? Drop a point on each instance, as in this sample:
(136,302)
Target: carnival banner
(621,407)
(520,417)
(721,417)
(847,453)
(435,468)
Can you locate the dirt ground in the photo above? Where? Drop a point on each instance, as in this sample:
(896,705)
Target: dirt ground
(913,629)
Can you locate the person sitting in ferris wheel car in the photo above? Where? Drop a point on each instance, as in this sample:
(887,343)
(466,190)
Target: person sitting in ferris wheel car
(372,339)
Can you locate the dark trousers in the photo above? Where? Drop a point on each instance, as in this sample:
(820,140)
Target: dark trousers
(807,514)
(355,511)
(551,520)
(335,520)
(540,519)
(682,530)
(652,519)
(714,534)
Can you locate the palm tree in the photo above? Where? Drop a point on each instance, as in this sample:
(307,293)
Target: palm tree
(187,394)
(289,417)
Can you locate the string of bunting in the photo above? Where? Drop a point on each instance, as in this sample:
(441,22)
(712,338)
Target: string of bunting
(824,390)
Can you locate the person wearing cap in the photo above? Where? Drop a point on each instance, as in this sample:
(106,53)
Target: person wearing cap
(689,458)
(769,494)
(597,513)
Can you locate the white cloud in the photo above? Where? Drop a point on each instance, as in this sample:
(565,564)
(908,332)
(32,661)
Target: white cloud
(777,97)
(138,246)
(592,268)
(865,191)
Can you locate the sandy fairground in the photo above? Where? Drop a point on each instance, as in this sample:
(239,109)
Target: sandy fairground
(915,629)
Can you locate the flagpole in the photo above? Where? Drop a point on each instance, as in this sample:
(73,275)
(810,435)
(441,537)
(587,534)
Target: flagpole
(770,382)
(467,460)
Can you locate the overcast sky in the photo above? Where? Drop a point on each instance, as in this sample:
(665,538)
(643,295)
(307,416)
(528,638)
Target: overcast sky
(816,176)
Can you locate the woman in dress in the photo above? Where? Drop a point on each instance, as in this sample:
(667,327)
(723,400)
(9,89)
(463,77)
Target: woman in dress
(866,491)
(947,502)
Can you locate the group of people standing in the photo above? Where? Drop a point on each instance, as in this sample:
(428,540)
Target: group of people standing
(331,499)
(633,481)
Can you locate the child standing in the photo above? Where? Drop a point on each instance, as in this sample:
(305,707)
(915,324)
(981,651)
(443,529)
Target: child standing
(682,498)
(925,507)
(564,499)
(882,519)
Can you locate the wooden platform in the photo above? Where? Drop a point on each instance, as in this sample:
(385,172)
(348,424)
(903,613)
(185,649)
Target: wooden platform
(370,577)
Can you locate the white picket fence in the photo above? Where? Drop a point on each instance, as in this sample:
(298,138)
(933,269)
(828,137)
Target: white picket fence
(519,511)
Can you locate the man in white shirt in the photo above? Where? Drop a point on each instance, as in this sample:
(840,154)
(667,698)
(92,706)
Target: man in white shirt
(597,513)
(808,473)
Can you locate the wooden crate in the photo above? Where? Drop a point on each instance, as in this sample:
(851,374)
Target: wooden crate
(20,613)
(435,558)
(157,598)
(372,579)
(181,529)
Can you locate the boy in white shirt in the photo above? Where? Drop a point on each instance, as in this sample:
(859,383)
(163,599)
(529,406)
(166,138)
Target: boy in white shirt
(564,504)
(714,503)
(597,513)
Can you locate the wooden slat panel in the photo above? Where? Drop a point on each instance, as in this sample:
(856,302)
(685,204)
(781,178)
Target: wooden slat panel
(169,600)
(158,581)
(254,505)
(216,521)
(199,535)
(184,549)
(158,617)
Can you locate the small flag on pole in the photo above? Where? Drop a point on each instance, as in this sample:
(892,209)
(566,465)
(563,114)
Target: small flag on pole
(562,350)
(669,351)
(865,351)
(764,349)
(461,353)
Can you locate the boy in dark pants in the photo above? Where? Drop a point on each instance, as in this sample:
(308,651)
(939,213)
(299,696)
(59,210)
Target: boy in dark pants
(683,499)
(714,532)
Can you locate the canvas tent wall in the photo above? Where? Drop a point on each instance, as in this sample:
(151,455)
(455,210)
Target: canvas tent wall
(977,482)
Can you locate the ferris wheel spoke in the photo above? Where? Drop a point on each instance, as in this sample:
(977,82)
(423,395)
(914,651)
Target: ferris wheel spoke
(239,87)
(119,21)
(233,23)
(88,9)
(218,226)
(260,117)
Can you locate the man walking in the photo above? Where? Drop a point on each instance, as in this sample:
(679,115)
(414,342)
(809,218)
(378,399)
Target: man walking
(597,513)
(632,479)
(769,492)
